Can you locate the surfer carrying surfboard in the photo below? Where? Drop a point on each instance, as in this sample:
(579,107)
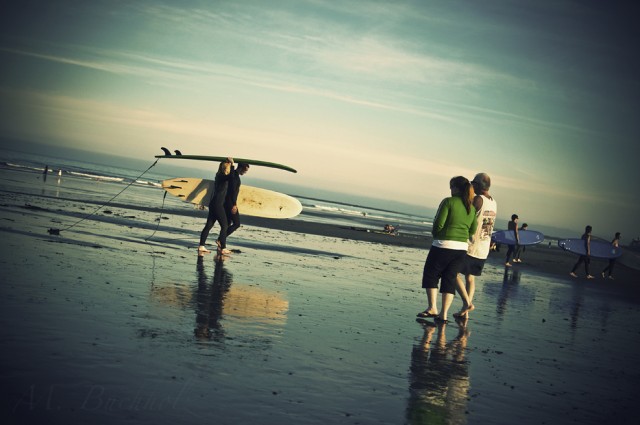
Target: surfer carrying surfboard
(217,211)
(615,243)
(512,226)
(586,259)
(231,201)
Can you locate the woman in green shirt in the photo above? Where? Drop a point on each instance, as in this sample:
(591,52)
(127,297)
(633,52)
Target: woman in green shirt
(454,224)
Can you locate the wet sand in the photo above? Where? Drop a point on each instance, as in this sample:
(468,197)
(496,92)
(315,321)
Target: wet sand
(304,323)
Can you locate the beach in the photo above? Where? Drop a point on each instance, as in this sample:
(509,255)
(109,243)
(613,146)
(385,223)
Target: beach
(110,316)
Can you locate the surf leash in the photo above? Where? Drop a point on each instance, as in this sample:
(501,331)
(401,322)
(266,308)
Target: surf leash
(159,218)
(53,231)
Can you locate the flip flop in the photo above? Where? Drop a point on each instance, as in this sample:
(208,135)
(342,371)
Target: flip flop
(426,314)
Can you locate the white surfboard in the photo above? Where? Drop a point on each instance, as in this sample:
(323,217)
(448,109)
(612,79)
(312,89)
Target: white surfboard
(251,200)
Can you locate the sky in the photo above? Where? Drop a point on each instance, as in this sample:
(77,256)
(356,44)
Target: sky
(371,98)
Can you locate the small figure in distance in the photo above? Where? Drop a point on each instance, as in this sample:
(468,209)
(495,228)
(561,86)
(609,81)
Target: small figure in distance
(520,249)
(584,259)
(513,225)
(608,271)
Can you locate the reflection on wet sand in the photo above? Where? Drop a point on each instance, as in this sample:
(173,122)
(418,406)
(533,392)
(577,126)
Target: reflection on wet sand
(439,377)
(510,279)
(217,298)
(210,301)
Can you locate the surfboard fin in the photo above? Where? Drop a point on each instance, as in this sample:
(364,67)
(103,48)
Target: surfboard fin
(178,153)
(166,151)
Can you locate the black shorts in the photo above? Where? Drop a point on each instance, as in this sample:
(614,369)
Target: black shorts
(442,265)
(472,265)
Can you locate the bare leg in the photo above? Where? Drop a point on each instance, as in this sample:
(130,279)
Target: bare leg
(467,305)
(447,299)
(432,296)
(471,287)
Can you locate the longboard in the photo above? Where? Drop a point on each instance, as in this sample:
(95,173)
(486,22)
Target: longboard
(224,158)
(252,201)
(599,249)
(508,237)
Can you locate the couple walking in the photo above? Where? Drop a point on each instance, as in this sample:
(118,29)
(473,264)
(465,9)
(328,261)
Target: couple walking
(461,242)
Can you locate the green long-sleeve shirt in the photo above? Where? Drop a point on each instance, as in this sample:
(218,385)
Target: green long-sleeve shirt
(452,222)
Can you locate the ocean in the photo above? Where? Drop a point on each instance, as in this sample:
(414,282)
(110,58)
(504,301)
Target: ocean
(131,175)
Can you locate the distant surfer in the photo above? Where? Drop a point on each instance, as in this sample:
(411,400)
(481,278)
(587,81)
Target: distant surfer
(586,259)
(608,271)
(513,226)
(231,201)
(454,224)
(216,209)
(480,245)
(520,249)
(45,172)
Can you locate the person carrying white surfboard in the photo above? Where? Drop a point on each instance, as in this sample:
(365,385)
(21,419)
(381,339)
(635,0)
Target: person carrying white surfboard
(480,245)
(217,211)
(231,201)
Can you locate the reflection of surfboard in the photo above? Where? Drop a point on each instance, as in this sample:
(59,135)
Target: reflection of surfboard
(599,249)
(527,237)
(251,200)
(224,158)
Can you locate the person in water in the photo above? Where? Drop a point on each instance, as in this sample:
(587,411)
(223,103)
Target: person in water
(454,224)
(216,209)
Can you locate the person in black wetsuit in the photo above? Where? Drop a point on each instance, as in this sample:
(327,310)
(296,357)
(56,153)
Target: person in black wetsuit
(584,259)
(513,226)
(231,201)
(216,209)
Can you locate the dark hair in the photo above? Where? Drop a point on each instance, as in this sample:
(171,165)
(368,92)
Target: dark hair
(587,229)
(466,190)
(514,216)
(617,235)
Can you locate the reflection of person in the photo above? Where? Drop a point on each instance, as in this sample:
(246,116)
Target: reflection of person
(439,378)
(216,209)
(520,249)
(608,271)
(231,201)
(454,224)
(513,226)
(510,279)
(210,301)
(586,259)
(480,245)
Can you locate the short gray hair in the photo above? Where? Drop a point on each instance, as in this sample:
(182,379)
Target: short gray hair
(483,180)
